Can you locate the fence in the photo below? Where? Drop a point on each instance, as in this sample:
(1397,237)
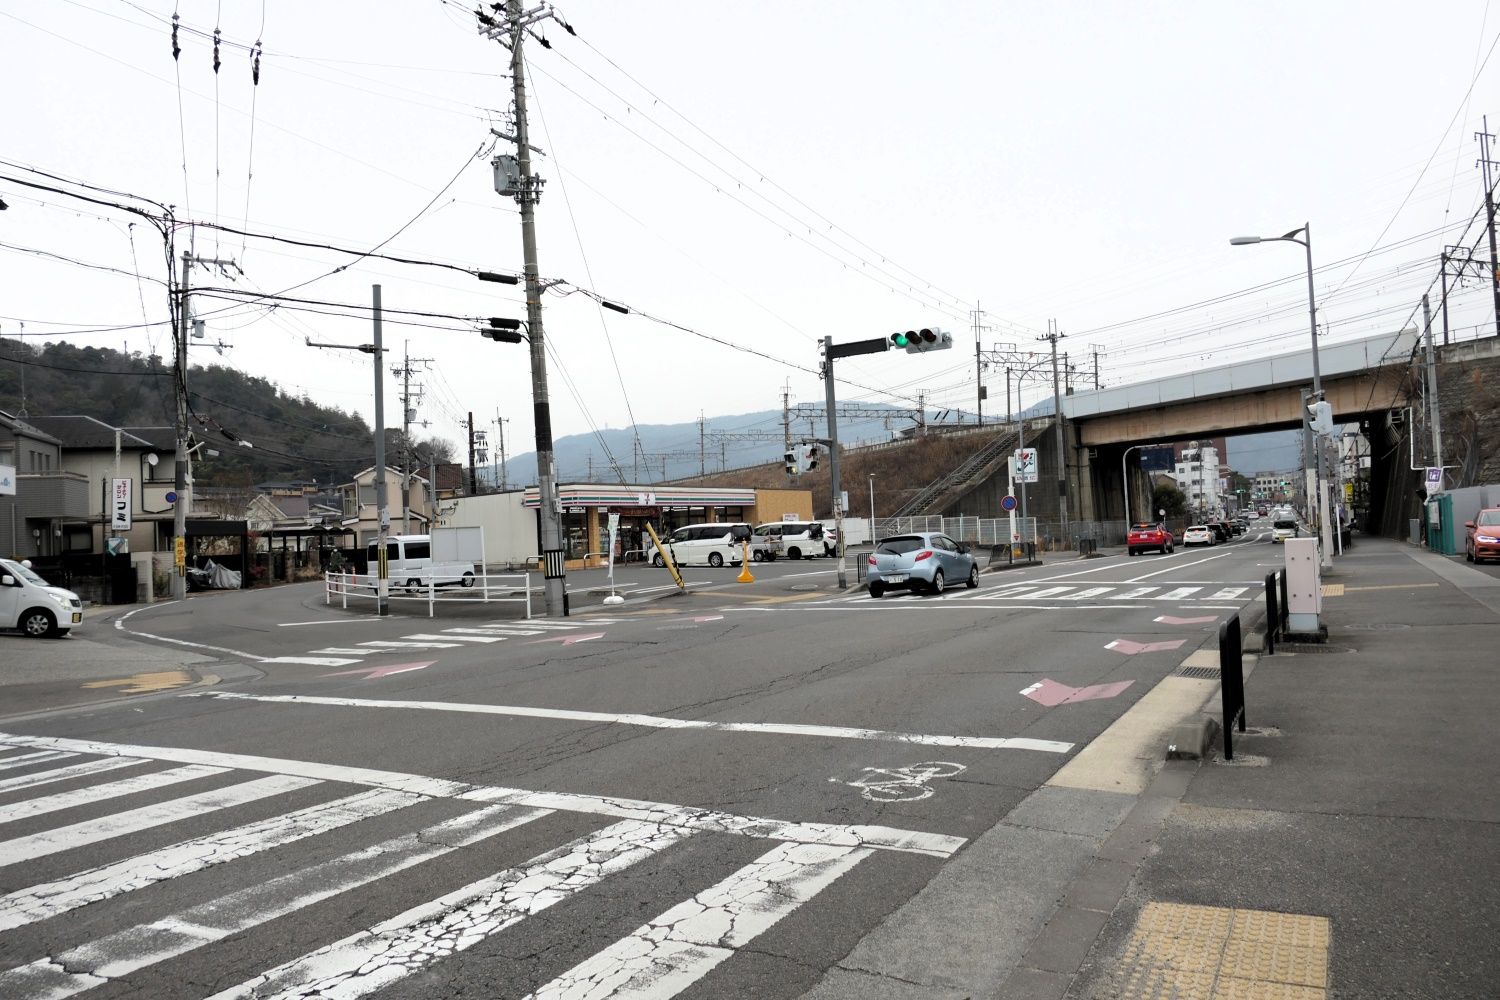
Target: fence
(1048,536)
(491,588)
(1276,609)
(1231,680)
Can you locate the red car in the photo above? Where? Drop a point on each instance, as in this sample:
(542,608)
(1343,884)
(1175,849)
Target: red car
(1483,539)
(1149,536)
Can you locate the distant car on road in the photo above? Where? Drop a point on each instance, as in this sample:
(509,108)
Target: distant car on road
(1482,540)
(1199,534)
(1221,529)
(1283,528)
(1149,536)
(924,560)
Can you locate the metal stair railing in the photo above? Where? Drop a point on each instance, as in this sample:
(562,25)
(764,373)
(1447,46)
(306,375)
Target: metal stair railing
(956,477)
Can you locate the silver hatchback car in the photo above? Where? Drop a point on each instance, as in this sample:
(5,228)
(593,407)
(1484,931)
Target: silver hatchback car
(926,560)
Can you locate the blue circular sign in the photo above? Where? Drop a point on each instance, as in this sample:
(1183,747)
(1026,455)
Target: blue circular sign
(1008,503)
(171,496)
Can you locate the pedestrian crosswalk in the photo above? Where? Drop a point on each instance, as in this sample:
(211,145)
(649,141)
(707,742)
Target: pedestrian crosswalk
(152,898)
(1073,593)
(449,638)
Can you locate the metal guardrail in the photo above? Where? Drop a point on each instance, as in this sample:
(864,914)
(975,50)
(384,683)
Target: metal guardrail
(1008,554)
(1231,680)
(1275,605)
(486,589)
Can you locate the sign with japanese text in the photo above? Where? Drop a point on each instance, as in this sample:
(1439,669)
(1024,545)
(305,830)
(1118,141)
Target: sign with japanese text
(119,505)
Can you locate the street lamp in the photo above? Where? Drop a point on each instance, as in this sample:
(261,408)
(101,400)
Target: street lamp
(1312,315)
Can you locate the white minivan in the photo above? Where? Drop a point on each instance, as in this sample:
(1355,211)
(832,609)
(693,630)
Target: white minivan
(798,539)
(32,605)
(711,545)
(410,565)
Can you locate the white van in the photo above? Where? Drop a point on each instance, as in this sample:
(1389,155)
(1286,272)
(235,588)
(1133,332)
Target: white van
(410,565)
(32,605)
(797,539)
(712,545)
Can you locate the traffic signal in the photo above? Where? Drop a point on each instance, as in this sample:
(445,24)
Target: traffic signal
(1320,417)
(923,340)
(506,331)
(790,458)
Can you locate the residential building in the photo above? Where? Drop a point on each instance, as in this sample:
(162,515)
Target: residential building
(361,516)
(43,501)
(1197,475)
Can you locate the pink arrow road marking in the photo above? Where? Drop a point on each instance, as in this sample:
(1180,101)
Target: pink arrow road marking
(568,640)
(372,673)
(1172,620)
(1050,692)
(709,618)
(1130,647)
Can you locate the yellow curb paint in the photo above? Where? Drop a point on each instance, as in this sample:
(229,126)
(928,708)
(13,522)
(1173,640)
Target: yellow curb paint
(145,683)
(1217,953)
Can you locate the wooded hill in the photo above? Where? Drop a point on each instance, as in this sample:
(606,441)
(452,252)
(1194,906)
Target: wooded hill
(292,437)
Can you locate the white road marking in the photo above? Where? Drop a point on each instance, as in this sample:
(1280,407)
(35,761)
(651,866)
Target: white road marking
(1227,594)
(66,773)
(1180,594)
(661,722)
(343,651)
(445,638)
(669,953)
(496,630)
(688,817)
(1175,567)
(449,643)
(92,831)
(29,759)
(326,621)
(1049,592)
(1090,592)
(44,804)
(1136,594)
(408,943)
(312,661)
(41,902)
(123,952)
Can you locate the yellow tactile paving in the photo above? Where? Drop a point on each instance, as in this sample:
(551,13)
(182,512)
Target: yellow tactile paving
(1184,952)
(1333,590)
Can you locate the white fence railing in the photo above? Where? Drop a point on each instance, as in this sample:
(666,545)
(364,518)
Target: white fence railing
(975,530)
(489,588)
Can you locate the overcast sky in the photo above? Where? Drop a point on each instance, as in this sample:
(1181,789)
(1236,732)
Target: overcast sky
(763,174)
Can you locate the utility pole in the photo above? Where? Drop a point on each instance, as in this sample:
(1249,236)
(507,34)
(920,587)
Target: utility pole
(1489,208)
(978,366)
(473,471)
(832,420)
(500,424)
(1096,375)
(527,191)
(786,421)
(702,464)
(1053,336)
(1435,417)
(405,372)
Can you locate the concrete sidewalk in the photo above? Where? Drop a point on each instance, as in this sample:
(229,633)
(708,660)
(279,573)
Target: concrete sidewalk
(1352,848)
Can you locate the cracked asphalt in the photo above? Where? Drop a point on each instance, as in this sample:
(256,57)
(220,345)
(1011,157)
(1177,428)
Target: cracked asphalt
(620,854)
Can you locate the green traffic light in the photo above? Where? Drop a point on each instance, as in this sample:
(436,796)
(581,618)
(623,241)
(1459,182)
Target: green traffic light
(899,339)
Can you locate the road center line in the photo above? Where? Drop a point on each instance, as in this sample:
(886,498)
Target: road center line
(1172,569)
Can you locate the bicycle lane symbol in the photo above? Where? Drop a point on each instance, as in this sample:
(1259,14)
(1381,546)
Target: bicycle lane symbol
(902,784)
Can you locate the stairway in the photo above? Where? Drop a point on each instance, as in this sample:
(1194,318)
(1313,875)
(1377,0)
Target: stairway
(976,468)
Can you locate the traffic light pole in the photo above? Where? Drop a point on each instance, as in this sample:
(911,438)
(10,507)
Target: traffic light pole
(833,456)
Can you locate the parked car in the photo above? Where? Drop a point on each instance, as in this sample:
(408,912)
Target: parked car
(712,544)
(1283,528)
(926,560)
(1149,536)
(1482,540)
(33,606)
(1199,534)
(1222,531)
(793,539)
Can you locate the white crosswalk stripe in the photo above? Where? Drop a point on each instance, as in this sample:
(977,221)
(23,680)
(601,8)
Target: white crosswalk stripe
(1059,595)
(696,930)
(28,759)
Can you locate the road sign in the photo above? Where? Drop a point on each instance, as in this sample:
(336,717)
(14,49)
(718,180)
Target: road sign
(1434,480)
(1008,503)
(120,506)
(1026,465)
(179,551)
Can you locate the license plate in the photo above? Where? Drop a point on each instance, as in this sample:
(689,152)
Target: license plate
(77,617)
(896,578)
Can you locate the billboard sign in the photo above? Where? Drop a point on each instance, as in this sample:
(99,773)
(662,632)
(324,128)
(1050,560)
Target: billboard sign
(119,505)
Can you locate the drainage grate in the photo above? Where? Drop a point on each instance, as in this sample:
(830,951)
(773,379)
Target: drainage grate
(1375,627)
(1201,673)
(1311,647)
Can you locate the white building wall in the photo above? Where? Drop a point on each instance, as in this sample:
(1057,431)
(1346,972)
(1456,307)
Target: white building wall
(510,530)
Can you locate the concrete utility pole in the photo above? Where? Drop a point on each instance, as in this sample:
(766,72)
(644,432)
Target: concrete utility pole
(786,421)
(1053,336)
(832,420)
(1435,417)
(407,412)
(1489,209)
(500,425)
(473,470)
(512,32)
(180,507)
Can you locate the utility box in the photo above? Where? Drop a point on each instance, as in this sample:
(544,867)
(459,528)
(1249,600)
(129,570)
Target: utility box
(1304,585)
(1440,534)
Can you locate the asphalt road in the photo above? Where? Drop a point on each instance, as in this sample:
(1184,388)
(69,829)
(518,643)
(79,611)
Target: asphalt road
(743,790)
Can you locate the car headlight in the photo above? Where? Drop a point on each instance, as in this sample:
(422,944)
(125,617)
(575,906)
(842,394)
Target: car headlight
(61,600)
(1488,538)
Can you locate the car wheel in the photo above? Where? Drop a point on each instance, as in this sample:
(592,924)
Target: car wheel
(467,581)
(413,584)
(1468,554)
(973,580)
(757,556)
(770,557)
(937,582)
(794,553)
(1166,550)
(715,560)
(876,590)
(658,561)
(1134,552)
(38,622)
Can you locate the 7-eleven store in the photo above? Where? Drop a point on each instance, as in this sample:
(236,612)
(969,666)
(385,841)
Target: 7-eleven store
(586,510)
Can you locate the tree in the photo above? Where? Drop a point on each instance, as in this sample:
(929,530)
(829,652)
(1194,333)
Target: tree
(1170,499)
